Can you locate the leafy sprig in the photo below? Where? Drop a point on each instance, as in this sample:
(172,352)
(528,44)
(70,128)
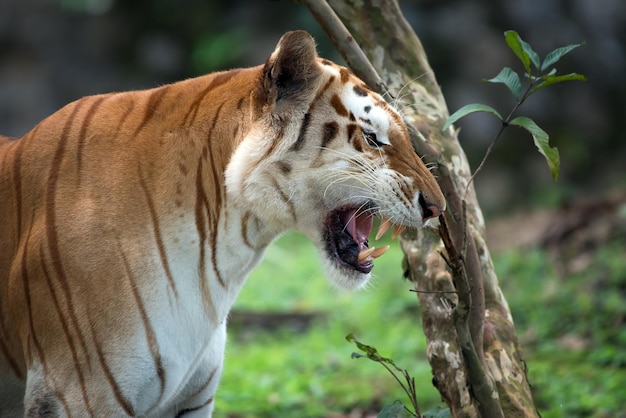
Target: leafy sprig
(538,74)
(404,379)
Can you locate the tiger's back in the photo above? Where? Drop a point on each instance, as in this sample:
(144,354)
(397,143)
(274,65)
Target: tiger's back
(131,220)
(92,224)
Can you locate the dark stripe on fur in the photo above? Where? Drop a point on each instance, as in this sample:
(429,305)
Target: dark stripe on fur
(157,235)
(117,392)
(202,206)
(206,383)
(82,136)
(64,325)
(150,109)
(360,91)
(147,325)
(61,397)
(285,198)
(244,229)
(218,191)
(344,74)
(29,308)
(337,104)
(330,132)
(125,115)
(284,167)
(351,128)
(218,80)
(306,120)
(197,408)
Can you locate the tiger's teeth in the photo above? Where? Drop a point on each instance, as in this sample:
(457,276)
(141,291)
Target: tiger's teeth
(397,230)
(379,251)
(366,253)
(372,252)
(385,224)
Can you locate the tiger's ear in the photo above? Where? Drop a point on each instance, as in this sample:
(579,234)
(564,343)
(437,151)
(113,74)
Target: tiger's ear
(292,69)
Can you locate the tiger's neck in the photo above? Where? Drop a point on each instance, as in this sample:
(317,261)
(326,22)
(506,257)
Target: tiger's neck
(203,225)
(225,121)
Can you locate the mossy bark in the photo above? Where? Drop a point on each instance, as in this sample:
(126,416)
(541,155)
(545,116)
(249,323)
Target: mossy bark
(472,346)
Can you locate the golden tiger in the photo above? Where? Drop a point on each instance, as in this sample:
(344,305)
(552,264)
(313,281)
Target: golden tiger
(131,220)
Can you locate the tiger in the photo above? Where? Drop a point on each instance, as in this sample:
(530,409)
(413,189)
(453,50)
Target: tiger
(131,220)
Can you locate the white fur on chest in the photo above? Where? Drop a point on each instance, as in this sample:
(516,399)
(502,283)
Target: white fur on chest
(190,329)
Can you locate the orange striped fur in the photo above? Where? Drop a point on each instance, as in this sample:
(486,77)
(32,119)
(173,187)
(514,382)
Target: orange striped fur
(131,220)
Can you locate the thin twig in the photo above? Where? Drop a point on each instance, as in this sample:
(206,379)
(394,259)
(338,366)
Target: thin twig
(426,292)
(505,124)
(412,396)
(482,162)
(413,393)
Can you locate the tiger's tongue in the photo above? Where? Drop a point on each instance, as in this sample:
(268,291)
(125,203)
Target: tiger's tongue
(359,226)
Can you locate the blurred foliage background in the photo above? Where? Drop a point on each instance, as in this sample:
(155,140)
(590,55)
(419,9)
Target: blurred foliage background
(55,51)
(559,251)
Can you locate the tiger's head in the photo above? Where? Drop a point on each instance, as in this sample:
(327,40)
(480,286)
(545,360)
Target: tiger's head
(325,154)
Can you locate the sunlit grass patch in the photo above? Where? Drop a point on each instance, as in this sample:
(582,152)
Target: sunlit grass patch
(311,374)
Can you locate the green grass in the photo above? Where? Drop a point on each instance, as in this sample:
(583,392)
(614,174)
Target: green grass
(573,331)
(310,374)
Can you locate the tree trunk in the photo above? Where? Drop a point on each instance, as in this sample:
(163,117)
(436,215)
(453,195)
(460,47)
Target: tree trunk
(472,346)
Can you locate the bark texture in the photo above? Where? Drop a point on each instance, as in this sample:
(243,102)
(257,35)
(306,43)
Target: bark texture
(472,346)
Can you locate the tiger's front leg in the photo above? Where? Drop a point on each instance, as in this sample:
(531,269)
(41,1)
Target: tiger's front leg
(43,399)
(179,387)
(197,397)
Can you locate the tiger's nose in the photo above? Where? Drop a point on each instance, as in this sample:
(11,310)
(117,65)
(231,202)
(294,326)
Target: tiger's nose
(431,211)
(428,209)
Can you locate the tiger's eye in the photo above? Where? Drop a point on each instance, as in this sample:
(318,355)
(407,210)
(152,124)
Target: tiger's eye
(371,139)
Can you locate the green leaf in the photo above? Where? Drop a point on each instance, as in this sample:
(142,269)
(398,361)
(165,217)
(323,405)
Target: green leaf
(549,79)
(513,41)
(466,110)
(542,142)
(509,78)
(521,49)
(534,57)
(557,54)
(395,410)
(437,412)
(370,352)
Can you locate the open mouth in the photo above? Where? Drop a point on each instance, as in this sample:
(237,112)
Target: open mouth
(347,237)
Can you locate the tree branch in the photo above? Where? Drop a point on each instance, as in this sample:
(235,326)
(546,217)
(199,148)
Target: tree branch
(345,44)
(482,385)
